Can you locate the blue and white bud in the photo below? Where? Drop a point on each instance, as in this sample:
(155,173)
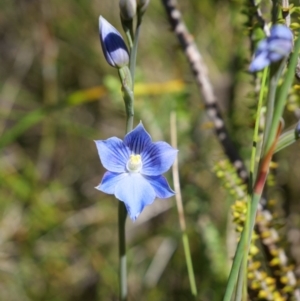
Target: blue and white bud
(127,9)
(113,45)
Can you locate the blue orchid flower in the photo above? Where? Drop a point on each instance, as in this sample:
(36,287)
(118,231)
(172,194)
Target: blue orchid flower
(134,169)
(272,49)
(113,45)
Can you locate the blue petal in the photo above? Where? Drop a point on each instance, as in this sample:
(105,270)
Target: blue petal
(113,154)
(138,139)
(280,31)
(161,186)
(110,181)
(113,45)
(281,47)
(136,192)
(116,54)
(275,57)
(262,46)
(278,45)
(157,158)
(259,62)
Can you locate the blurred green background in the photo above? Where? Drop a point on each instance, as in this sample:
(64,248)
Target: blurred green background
(58,234)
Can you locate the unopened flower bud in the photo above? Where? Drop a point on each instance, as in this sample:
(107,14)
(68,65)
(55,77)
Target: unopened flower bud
(142,5)
(127,9)
(113,45)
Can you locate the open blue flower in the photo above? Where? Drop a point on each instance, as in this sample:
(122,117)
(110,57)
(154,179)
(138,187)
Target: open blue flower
(134,169)
(272,49)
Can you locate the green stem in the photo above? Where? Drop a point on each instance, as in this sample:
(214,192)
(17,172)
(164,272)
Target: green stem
(273,121)
(256,193)
(128,29)
(242,250)
(243,269)
(240,290)
(244,264)
(133,52)
(253,164)
(127,88)
(235,267)
(252,179)
(286,139)
(189,263)
(276,72)
(245,240)
(129,116)
(122,214)
(283,93)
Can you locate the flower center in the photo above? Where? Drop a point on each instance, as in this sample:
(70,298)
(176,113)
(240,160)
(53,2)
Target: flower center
(134,164)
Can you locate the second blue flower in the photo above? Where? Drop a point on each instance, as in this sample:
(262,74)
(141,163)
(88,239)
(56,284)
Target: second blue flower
(272,49)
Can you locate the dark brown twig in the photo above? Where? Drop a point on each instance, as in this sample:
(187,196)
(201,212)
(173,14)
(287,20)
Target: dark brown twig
(201,75)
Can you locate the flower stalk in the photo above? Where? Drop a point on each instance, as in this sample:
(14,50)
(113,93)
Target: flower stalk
(127,13)
(268,52)
(122,215)
(283,93)
(136,164)
(116,54)
(128,96)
